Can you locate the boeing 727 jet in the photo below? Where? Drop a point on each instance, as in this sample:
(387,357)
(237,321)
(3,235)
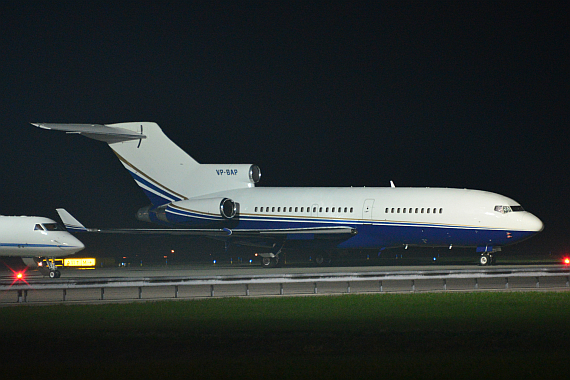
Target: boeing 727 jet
(223,202)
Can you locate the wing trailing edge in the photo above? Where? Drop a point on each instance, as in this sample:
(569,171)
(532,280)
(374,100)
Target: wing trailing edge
(74,225)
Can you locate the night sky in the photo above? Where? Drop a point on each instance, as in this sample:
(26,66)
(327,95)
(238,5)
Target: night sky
(443,94)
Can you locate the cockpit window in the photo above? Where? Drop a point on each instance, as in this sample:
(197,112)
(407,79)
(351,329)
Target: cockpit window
(53,227)
(507,209)
(38,227)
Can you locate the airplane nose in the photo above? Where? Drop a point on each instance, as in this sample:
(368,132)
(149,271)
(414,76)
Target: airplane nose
(79,245)
(70,244)
(532,223)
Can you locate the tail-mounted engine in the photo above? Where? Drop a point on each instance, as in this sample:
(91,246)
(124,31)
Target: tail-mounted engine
(192,211)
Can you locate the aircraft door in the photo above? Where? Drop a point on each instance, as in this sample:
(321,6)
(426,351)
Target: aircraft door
(367,209)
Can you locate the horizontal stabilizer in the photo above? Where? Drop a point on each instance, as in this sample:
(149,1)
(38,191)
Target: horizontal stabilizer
(95,131)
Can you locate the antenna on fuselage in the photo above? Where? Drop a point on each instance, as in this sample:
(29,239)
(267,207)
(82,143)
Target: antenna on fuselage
(392,184)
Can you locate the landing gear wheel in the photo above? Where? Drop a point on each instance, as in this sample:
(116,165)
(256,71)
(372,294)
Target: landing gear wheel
(322,259)
(269,262)
(54,274)
(485,259)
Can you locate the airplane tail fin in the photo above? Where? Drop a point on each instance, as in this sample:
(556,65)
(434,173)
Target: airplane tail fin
(163,171)
(70,223)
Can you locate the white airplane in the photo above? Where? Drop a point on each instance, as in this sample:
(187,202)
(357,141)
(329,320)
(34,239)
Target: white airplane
(34,238)
(222,201)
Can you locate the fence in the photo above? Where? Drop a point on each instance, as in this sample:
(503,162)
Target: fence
(152,288)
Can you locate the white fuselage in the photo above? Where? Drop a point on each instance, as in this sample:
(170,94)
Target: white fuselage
(384,217)
(33,236)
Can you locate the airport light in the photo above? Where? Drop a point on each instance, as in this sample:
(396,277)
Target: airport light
(19,276)
(567,261)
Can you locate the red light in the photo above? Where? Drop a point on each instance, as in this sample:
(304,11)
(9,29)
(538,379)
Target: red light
(567,261)
(19,276)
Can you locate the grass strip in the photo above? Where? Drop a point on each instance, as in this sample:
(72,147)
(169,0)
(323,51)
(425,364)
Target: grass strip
(397,335)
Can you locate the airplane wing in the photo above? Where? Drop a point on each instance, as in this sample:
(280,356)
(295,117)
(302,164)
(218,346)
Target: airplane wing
(73,225)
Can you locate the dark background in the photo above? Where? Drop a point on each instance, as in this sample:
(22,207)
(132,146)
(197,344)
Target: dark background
(444,94)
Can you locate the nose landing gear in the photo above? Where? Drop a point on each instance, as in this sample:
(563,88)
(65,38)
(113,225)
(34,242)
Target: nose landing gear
(486,259)
(47,267)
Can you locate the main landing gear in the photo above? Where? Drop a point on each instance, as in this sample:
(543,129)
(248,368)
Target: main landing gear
(271,259)
(322,258)
(268,261)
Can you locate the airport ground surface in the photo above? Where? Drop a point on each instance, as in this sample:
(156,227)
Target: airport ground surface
(227,269)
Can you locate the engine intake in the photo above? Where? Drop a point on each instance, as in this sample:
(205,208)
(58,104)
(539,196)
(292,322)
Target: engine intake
(228,208)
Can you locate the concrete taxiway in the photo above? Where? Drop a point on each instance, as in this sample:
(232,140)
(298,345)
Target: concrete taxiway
(252,270)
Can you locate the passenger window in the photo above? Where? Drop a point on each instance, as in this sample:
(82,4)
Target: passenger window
(320,209)
(332,209)
(386,210)
(272,209)
(404,210)
(428,210)
(422,210)
(441,211)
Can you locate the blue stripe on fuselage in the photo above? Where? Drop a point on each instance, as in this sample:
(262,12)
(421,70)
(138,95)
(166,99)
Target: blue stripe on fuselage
(373,234)
(156,195)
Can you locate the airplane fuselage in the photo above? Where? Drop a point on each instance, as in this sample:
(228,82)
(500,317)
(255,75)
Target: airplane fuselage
(383,217)
(34,236)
